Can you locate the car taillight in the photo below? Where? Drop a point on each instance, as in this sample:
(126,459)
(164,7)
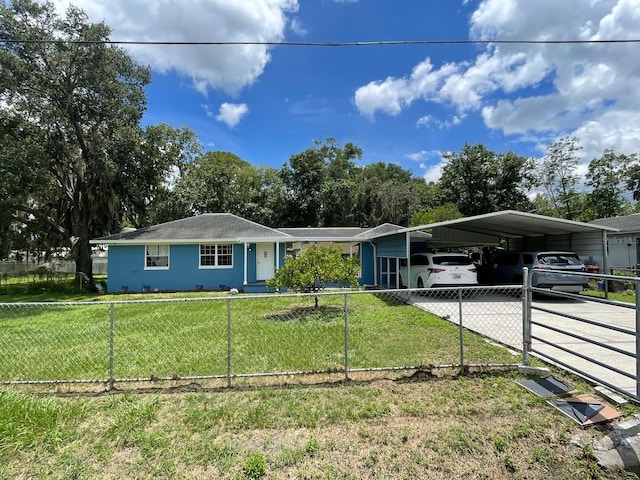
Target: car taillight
(541,268)
(436,270)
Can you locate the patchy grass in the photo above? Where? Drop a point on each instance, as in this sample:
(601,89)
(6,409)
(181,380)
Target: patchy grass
(626,296)
(420,426)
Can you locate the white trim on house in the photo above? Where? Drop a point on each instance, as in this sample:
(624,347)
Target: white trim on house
(147,256)
(215,255)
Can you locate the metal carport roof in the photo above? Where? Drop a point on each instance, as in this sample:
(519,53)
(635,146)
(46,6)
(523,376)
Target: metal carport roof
(513,224)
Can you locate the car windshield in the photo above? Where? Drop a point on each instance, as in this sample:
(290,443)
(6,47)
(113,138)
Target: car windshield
(558,259)
(452,260)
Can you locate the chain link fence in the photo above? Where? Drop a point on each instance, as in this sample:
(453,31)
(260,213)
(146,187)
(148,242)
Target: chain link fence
(235,337)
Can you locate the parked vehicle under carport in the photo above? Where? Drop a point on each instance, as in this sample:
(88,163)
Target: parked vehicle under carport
(438,270)
(506,269)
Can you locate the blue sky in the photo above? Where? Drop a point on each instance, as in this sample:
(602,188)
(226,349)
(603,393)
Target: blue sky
(400,104)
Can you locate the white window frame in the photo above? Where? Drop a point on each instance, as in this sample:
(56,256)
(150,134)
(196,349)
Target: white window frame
(159,254)
(216,255)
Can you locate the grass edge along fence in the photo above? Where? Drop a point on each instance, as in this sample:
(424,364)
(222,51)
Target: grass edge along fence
(247,336)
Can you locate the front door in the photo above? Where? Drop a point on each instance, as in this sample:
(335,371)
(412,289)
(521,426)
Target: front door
(265,265)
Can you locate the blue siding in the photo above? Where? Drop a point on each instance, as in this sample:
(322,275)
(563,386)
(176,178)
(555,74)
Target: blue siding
(126,268)
(366,264)
(392,246)
(251,263)
(283,254)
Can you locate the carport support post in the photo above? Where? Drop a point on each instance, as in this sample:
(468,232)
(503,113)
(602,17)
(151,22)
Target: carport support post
(526,316)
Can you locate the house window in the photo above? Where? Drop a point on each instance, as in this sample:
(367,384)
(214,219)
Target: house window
(213,256)
(157,256)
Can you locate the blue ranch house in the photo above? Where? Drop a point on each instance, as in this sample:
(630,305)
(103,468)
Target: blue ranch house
(220,251)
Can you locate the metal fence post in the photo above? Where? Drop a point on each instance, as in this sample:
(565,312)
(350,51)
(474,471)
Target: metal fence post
(637,342)
(229,343)
(526,316)
(346,337)
(461,331)
(112,334)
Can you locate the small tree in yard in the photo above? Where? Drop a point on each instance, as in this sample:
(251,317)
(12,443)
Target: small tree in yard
(314,268)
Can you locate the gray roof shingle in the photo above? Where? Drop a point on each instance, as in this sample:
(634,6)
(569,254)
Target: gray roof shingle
(210,227)
(336,233)
(625,223)
(205,227)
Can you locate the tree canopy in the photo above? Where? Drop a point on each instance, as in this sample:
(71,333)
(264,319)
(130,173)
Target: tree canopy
(479,181)
(70,128)
(314,268)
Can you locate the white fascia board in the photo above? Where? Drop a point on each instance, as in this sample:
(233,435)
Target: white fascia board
(194,241)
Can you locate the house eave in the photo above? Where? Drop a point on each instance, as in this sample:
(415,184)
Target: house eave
(189,241)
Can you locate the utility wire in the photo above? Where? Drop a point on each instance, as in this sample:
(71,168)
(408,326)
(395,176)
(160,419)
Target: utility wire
(328,44)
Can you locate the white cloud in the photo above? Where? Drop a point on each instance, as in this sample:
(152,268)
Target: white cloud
(393,94)
(428,120)
(231,113)
(226,67)
(433,172)
(297,28)
(542,91)
(417,156)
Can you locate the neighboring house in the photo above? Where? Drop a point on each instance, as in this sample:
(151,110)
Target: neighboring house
(219,251)
(623,246)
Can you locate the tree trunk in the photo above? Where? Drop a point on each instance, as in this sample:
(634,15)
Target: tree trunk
(84,263)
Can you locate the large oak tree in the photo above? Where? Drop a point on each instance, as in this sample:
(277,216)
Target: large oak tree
(70,112)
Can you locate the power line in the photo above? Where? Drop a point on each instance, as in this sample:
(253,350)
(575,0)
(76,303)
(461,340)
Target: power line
(326,44)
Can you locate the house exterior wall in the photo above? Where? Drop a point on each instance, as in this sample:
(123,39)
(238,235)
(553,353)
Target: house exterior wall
(392,246)
(127,269)
(367,276)
(622,249)
(388,250)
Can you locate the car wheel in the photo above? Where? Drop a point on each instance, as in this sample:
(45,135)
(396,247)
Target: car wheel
(420,284)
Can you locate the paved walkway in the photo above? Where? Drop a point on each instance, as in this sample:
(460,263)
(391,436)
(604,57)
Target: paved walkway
(499,316)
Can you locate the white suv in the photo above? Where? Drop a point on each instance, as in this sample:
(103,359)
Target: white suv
(438,270)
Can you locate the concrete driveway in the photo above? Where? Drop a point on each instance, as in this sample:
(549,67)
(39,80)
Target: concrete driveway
(613,315)
(499,316)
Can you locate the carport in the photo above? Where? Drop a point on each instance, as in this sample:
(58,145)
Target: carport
(520,230)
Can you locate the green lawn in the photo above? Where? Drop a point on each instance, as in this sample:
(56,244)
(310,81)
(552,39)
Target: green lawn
(188,337)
